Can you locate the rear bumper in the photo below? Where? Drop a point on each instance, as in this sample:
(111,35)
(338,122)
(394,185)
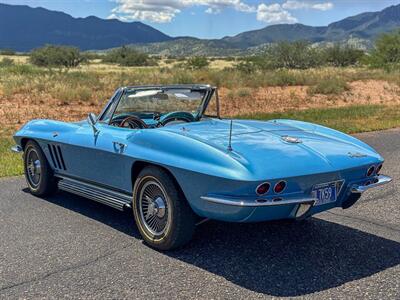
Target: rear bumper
(377,181)
(251,210)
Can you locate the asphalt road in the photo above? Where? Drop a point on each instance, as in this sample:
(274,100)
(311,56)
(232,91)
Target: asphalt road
(69,247)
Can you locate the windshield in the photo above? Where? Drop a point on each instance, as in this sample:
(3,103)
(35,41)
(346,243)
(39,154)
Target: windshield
(160,101)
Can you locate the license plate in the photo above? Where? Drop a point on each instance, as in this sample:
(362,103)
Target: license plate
(324,193)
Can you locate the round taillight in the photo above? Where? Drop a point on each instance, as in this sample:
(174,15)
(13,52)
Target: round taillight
(263,188)
(378,169)
(279,187)
(370,171)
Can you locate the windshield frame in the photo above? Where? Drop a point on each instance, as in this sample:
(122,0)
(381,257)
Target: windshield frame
(114,103)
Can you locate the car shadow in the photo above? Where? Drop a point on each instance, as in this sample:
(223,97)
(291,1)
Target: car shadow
(276,258)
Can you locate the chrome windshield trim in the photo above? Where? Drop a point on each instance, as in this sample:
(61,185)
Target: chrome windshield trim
(17,149)
(255,203)
(382,179)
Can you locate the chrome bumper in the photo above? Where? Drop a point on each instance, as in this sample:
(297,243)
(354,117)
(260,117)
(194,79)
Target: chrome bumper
(17,149)
(257,203)
(303,205)
(379,180)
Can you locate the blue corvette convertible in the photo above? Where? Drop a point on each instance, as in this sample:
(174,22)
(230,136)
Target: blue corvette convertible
(164,152)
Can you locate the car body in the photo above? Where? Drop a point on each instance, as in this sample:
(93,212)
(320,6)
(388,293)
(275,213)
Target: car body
(229,170)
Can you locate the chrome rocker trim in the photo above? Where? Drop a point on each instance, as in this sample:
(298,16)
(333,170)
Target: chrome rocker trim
(381,180)
(232,202)
(111,198)
(17,149)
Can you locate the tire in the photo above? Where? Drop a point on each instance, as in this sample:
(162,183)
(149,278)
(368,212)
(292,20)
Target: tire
(162,214)
(38,173)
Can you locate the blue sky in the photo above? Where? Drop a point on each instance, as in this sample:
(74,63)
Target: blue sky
(213,18)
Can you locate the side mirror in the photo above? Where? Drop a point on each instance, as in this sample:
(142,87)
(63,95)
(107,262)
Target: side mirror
(91,119)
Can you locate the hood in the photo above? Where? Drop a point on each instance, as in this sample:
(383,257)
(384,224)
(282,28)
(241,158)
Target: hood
(275,147)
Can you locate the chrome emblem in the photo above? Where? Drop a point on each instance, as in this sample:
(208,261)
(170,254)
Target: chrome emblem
(291,139)
(356,154)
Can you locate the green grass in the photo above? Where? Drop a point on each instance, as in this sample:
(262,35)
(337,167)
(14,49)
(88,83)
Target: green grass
(351,119)
(10,163)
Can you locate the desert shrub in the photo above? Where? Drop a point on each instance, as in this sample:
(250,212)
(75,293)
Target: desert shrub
(6,62)
(329,86)
(242,93)
(89,55)
(387,51)
(342,56)
(296,55)
(65,93)
(197,62)
(248,65)
(169,61)
(56,56)
(7,51)
(129,57)
(20,70)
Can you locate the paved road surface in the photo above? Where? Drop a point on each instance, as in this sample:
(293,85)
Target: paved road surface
(70,247)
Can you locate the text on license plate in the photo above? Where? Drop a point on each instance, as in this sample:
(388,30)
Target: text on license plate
(324,193)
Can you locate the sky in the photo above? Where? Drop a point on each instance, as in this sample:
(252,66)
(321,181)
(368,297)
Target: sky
(213,18)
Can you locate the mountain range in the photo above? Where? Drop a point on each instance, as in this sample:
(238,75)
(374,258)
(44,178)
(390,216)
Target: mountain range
(23,28)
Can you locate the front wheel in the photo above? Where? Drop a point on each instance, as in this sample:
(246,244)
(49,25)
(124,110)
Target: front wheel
(161,211)
(38,173)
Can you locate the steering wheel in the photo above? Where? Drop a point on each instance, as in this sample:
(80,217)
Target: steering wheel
(177,117)
(133,122)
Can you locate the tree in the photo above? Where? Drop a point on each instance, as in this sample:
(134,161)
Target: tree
(56,56)
(387,50)
(126,56)
(295,55)
(197,62)
(342,56)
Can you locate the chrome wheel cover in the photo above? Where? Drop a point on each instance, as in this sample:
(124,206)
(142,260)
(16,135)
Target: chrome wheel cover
(33,168)
(154,205)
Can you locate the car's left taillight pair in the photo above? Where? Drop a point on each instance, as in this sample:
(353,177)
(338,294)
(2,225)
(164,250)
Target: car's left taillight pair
(264,187)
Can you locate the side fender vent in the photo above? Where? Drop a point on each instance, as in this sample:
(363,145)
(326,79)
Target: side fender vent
(56,157)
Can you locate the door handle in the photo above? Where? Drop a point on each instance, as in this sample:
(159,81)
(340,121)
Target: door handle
(119,147)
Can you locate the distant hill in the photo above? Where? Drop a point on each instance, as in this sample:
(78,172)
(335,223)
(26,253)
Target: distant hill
(23,28)
(364,26)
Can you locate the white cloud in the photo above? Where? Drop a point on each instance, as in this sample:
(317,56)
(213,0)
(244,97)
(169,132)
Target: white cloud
(280,13)
(163,11)
(323,6)
(274,14)
(293,4)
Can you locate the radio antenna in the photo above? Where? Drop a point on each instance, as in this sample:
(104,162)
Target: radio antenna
(230,137)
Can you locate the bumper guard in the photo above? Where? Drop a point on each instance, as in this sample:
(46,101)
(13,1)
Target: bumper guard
(379,180)
(17,149)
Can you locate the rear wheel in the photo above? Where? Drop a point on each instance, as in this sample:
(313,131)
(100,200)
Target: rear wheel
(161,211)
(38,173)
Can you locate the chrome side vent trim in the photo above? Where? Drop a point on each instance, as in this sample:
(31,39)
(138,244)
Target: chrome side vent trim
(55,153)
(61,158)
(52,156)
(111,198)
(56,157)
